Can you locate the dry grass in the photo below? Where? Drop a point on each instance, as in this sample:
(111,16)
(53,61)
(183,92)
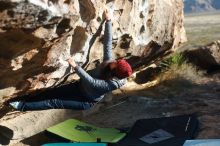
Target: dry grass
(186,71)
(169,83)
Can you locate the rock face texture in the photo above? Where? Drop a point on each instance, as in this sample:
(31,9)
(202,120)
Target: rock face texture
(37,36)
(206,57)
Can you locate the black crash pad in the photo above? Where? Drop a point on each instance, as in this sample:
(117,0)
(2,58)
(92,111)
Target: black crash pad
(166,131)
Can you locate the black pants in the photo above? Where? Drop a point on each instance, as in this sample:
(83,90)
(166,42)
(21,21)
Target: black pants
(65,97)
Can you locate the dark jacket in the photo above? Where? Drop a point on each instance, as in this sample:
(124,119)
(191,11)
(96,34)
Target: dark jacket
(91,83)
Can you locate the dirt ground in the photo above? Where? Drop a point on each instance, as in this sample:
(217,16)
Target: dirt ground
(201,29)
(176,95)
(171,97)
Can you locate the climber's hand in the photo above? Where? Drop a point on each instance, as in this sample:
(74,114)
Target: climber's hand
(72,62)
(106,15)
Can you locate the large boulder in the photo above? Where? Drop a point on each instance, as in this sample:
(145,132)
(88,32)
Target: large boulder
(37,36)
(205,57)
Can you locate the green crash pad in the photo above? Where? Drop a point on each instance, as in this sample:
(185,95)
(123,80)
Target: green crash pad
(75,144)
(78,131)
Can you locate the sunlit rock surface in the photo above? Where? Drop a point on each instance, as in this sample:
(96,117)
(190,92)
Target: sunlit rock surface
(37,36)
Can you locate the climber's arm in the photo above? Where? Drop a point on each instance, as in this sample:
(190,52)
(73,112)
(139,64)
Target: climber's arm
(101,85)
(93,82)
(107,37)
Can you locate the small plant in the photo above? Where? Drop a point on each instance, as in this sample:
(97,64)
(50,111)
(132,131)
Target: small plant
(177,66)
(177,59)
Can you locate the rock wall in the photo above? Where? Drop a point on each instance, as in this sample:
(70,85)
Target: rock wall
(205,57)
(37,36)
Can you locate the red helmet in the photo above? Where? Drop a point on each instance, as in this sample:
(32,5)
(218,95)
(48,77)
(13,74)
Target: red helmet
(123,69)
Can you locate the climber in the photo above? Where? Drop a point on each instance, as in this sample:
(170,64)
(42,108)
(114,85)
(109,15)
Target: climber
(90,89)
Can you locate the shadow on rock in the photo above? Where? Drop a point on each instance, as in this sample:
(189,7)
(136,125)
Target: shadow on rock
(5,135)
(39,139)
(147,75)
(4,110)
